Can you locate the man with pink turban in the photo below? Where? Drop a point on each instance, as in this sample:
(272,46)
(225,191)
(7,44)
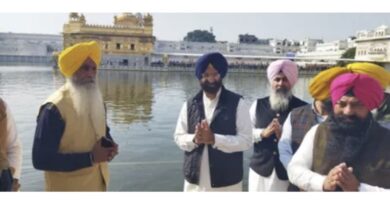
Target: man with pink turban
(266,172)
(349,150)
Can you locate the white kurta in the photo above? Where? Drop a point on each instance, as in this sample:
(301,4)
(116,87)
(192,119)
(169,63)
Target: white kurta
(301,175)
(14,146)
(226,143)
(257,182)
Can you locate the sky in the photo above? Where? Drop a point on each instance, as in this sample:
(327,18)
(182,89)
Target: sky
(226,26)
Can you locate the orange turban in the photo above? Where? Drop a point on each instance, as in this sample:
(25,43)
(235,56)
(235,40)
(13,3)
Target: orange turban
(319,86)
(73,57)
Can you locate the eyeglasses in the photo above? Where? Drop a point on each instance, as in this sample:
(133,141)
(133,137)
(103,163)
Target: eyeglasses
(208,75)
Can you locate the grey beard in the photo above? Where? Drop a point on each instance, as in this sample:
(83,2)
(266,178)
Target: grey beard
(279,100)
(88,103)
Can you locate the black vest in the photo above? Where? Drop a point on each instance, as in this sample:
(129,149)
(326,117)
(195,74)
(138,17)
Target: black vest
(265,154)
(225,168)
(371,166)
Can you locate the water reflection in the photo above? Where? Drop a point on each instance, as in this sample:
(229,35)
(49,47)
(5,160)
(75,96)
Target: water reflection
(129,96)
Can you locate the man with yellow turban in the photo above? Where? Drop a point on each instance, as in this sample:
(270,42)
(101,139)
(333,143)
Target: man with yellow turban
(72,142)
(349,150)
(266,172)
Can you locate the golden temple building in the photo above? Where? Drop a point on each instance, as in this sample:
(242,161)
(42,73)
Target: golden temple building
(131,34)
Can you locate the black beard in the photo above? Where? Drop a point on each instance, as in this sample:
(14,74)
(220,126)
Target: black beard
(349,136)
(348,124)
(211,88)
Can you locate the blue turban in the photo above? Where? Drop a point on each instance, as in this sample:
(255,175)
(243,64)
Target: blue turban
(216,59)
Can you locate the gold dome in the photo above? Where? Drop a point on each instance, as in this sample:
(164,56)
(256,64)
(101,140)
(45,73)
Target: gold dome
(126,19)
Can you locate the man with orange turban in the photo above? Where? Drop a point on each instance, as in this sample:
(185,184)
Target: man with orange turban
(349,150)
(72,142)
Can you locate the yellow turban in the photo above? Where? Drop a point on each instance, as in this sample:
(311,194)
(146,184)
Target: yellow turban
(319,86)
(73,57)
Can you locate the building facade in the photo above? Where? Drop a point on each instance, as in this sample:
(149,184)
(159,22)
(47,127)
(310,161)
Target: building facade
(373,44)
(127,42)
(26,48)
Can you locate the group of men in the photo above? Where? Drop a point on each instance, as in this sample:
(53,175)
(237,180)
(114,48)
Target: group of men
(333,144)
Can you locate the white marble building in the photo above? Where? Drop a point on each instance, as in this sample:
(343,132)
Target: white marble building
(373,44)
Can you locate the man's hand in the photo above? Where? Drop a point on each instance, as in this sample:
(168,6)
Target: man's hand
(347,180)
(330,182)
(203,134)
(341,176)
(15,185)
(102,154)
(273,127)
(114,152)
(198,138)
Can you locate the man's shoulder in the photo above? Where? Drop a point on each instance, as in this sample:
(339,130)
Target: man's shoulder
(302,108)
(232,94)
(58,96)
(263,99)
(298,102)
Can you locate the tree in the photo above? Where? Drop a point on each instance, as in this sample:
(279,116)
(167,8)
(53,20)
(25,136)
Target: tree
(350,53)
(200,36)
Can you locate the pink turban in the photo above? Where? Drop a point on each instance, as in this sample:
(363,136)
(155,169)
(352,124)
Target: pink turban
(365,88)
(287,67)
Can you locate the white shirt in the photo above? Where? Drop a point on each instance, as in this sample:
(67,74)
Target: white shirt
(225,143)
(301,175)
(14,146)
(284,144)
(255,131)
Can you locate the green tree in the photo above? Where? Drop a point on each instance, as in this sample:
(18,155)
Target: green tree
(350,53)
(200,36)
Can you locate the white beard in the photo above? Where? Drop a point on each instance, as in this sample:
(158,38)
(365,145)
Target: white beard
(279,101)
(88,103)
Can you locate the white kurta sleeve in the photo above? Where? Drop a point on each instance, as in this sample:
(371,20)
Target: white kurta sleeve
(255,131)
(243,140)
(299,169)
(284,144)
(181,136)
(14,146)
(367,187)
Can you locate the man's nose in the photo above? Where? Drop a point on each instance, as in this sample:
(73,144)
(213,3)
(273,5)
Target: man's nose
(91,72)
(348,110)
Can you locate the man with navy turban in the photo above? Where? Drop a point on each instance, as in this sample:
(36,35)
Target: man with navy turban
(266,172)
(213,130)
(349,150)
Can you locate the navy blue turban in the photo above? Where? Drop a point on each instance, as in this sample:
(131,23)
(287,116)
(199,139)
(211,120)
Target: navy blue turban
(216,59)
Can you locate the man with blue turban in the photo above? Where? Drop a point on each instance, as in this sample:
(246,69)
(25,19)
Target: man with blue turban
(72,142)
(213,130)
